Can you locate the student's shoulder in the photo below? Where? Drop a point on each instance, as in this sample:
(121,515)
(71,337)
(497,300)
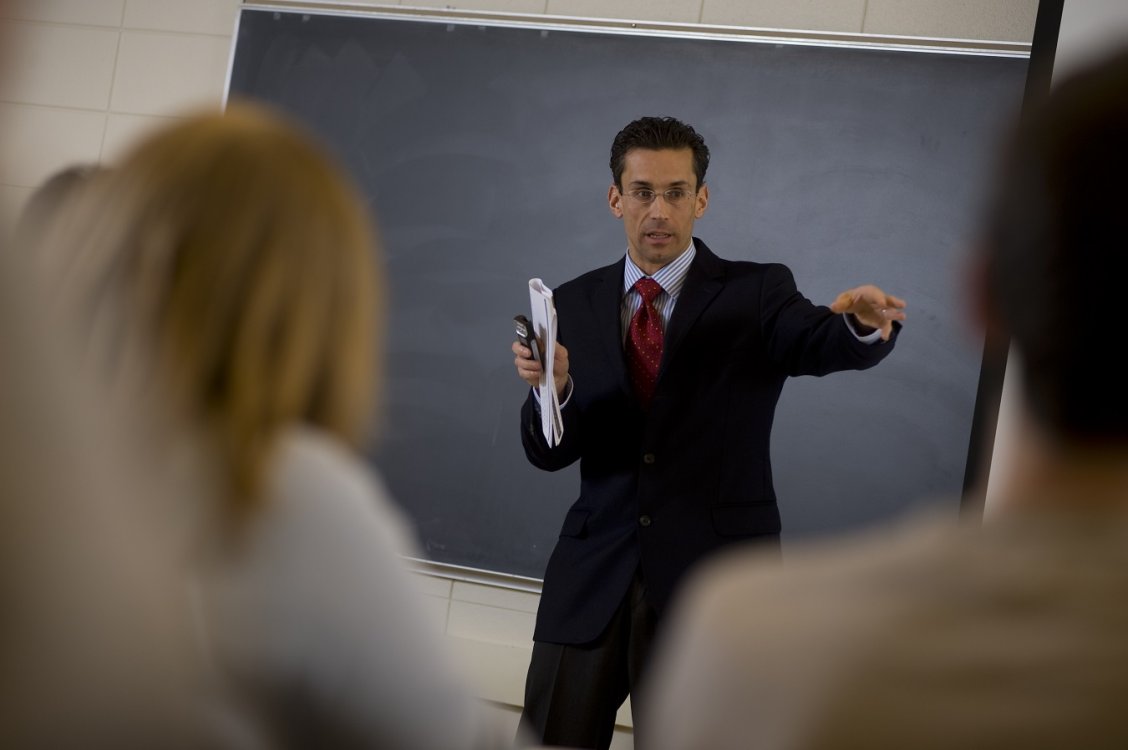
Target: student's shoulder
(317,477)
(308,456)
(822,579)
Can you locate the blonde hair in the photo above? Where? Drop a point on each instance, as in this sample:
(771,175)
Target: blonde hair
(246,258)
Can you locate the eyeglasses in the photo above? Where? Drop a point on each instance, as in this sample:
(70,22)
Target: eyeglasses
(673,196)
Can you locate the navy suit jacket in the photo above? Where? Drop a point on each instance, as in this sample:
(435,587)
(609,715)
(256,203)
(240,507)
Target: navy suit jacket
(665,488)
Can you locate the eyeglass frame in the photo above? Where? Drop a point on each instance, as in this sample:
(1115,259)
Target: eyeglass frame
(633,194)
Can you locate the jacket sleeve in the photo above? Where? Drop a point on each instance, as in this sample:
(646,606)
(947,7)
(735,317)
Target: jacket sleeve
(532,437)
(808,339)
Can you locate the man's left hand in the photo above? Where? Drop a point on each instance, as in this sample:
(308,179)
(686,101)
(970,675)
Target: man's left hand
(871,307)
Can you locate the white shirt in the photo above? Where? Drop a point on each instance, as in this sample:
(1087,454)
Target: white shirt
(315,612)
(926,636)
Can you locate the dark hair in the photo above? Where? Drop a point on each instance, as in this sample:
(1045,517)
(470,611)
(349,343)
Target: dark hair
(48,202)
(656,133)
(1057,252)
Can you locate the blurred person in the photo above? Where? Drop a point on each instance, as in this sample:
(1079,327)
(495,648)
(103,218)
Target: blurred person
(95,648)
(45,202)
(1007,634)
(47,205)
(95,644)
(227,266)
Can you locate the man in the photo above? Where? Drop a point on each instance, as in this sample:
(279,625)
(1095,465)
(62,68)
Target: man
(668,390)
(1009,634)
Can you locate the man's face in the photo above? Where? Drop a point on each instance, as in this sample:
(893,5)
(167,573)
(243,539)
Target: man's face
(658,231)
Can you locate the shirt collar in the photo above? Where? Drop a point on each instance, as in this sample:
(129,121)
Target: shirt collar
(671,277)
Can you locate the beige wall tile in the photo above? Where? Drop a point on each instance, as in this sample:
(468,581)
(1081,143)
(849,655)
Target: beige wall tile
(490,624)
(38,141)
(66,66)
(199,16)
(625,717)
(432,585)
(496,671)
(623,739)
(671,11)
(12,200)
(123,131)
(1089,30)
(92,12)
(165,74)
(495,597)
(376,3)
(500,6)
(437,610)
(811,15)
(328,2)
(505,718)
(999,20)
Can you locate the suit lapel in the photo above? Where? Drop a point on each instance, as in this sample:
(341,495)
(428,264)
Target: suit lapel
(703,282)
(606,303)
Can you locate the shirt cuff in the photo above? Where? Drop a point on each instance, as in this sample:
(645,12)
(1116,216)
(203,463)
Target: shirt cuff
(563,401)
(870,338)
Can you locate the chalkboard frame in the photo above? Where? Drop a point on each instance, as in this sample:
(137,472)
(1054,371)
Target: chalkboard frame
(640,29)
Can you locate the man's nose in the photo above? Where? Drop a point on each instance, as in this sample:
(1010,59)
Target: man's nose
(659,207)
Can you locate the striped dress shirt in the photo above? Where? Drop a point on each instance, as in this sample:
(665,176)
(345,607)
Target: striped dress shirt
(670,277)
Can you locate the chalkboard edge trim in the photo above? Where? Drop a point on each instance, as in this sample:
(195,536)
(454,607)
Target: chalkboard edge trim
(479,576)
(935,45)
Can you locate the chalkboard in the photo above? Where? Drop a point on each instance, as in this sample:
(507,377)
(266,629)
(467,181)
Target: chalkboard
(483,151)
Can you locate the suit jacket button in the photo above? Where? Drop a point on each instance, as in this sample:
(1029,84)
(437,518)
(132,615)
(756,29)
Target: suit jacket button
(648,458)
(644,521)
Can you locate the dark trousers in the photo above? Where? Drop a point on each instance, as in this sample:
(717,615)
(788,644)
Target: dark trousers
(573,692)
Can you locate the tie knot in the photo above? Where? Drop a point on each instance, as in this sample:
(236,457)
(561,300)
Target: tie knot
(648,288)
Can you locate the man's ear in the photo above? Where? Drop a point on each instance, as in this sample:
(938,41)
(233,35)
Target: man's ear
(701,202)
(615,201)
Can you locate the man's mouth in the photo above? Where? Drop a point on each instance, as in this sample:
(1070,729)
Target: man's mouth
(659,236)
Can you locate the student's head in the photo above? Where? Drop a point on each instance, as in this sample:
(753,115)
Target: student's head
(57,190)
(659,191)
(247,260)
(657,134)
(1056,244)
(50,204)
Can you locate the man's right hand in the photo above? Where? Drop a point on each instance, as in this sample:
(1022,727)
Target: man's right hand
(529,370)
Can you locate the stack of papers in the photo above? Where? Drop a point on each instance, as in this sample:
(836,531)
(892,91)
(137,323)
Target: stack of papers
(544,326)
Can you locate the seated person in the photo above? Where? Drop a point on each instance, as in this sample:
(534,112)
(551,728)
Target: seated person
(1009,634)
(227,274)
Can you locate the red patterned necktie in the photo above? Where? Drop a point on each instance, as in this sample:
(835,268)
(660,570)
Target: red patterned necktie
(644,342)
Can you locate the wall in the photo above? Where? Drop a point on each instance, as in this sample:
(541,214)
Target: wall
(89,76)
(1089,28)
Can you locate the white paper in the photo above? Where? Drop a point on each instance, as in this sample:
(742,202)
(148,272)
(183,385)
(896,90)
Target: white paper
(544,325)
